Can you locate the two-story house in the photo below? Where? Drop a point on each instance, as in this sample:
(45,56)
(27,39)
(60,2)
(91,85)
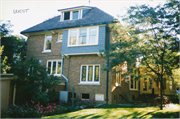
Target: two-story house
(70,46)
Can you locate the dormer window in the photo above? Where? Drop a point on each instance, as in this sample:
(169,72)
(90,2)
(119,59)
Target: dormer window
(71,15)
(66,15)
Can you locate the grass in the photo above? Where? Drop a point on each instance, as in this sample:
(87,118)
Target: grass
(115,111)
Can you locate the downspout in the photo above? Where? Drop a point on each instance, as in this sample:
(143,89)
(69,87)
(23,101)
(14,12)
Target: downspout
(107,73)
(63,75)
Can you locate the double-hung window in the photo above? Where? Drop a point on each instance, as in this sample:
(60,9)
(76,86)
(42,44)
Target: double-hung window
(90,74)
(60,37)
(54,67)
(83,36)
(47,43)
(133,84)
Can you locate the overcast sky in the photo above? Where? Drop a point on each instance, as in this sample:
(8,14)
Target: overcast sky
(27,13)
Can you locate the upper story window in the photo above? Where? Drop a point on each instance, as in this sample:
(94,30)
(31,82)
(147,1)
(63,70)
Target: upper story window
(133,84)
(54,67)
(47,43)
(75,15)
(90,74)
(66,15)
(84,36)
(60,37)
(71,15)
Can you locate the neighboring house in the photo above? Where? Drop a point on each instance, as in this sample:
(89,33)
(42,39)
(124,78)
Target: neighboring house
(69,46)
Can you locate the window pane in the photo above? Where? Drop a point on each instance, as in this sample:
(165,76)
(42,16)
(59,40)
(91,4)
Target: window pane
(83,73)
(96,73)
(60,37)
(145,84)
(85,96)
(82,36)
(66,15)
(48,42)
(150,83)
(75,15)
(131,82)
(49,67)
(59,67)
(73,34)
(92,35)
(54,67)
(90,73)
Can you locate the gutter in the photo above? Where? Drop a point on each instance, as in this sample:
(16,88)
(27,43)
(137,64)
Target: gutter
(107,73)
(67,80)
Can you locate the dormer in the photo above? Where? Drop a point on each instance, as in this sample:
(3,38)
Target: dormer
(73,13)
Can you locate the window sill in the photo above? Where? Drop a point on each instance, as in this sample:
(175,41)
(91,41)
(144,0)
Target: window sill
(89,84)
(58,75)
(59,41)
(46,51)
(81,45)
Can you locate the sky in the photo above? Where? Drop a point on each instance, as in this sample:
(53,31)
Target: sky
(24,14)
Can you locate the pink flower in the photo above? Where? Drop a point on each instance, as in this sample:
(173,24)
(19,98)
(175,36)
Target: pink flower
(54,106)
(41,105)
(53,109)
(54,103)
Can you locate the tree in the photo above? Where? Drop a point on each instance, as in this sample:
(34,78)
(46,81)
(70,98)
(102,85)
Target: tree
(4,65)
(14,46)
(32,81)
(150,35)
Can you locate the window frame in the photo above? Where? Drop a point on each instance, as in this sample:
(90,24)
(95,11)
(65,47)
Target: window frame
(93,82)
(71,14)
(137,84)
(59,41)
(51,70)
(44,48)
(84,98)
(102,97)
(87,37)
(118,80)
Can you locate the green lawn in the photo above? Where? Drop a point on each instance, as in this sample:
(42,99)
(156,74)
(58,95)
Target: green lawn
(115,111)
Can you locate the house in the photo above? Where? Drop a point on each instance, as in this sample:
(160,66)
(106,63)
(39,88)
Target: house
(70,46)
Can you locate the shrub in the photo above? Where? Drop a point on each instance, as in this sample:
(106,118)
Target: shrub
(86,103)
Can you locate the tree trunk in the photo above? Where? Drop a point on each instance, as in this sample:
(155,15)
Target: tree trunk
(161,93)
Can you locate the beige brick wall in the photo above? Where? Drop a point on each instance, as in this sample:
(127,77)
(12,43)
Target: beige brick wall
(36,44)
(71,69)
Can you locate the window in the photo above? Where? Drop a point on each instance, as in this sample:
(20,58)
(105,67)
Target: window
(99,97)
(118,78)
(47,43)
(85,36)
(85,96)
(75,14)
(73,37)
(150,83)
(90,74)
(60,37)
(170,84)
(66,15)
(133,84)
(54,67)
(145,84)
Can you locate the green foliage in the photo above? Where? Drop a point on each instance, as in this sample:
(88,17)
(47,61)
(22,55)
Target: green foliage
(4,65)
(151,37)
(32,81)
(14,47)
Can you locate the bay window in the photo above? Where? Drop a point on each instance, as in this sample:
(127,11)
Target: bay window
(90,74)
(83,36)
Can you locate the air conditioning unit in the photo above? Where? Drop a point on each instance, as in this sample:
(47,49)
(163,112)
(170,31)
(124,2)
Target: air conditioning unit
(66,96)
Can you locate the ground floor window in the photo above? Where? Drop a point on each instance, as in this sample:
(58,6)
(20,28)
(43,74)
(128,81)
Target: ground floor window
(145,84)
(54,67)
(150,83)
(85,96)
(90,73)
(133,84)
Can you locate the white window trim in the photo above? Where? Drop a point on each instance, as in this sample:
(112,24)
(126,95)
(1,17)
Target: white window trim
(44,47)
(119,79)
(80,11)
(56,67)
(137,85)
(88,82)
(59,41)
(87,36)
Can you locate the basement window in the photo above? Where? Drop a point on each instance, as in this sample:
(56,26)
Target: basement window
(85,96)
